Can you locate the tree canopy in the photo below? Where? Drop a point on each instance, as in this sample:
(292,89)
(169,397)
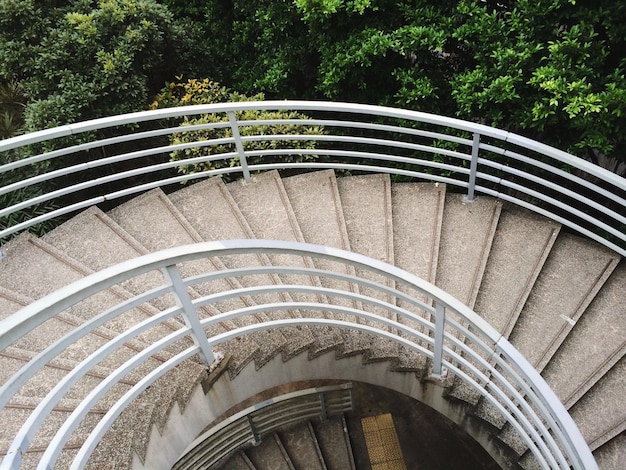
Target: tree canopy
(553,70)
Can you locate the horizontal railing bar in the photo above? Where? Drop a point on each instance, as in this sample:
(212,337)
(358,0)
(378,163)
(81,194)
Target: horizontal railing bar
(557,218)
(98,432)
(72,422)
(36,418)
(287,288)
(359,125)
(555,187)
(353,140)
(251,271)
(559,172)
(553,202)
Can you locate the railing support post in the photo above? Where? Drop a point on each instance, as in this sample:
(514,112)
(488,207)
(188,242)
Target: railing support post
(439,371)
(239,145)
(189,314)
(473,167)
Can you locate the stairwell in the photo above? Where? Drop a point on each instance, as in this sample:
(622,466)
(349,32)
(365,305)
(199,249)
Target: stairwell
(558,297)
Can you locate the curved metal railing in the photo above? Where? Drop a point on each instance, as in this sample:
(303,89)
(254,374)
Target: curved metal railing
(118,156)
(255,422)
(439,327)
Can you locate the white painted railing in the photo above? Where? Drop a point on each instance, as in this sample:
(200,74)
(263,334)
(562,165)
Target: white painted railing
(132,152)
(440,327)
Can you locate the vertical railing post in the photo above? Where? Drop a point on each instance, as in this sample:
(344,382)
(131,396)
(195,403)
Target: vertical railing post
(189,314)
(256,438)
(323,413)
(438,369)
(473,167)
(234,126)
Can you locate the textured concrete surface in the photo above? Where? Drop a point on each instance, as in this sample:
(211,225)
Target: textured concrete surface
(302,446)
(572,276)
(213,213)
(561,300)
(568,375)
(601,414)
(466,238)
(366,206)
(269,455)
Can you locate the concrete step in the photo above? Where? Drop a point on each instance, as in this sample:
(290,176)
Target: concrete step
(467,233)
(149,411)
(211,210)
(612,455)
(599,336)
(521,245)
(34,269)
(466,238)
(302,447)
(265,206)
(571,277)
(366,207)
(239,461)
(600,414)
(154,221)
(417,220)
(322,223)
(271,454)
(334,443)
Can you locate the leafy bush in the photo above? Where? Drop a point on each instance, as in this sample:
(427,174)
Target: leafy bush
(205,91)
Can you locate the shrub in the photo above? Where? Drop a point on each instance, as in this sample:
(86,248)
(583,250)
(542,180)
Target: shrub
(194,92)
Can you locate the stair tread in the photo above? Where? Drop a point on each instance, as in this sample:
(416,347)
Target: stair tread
(211,210)
(571,277)
(417,220)
(364,200)
(269,454)
(466,237)
(332,440)
(322,223)
(267,209)
(521,244)
(600,414)
(568,375)
(169,229)
(612,455)
(300,444)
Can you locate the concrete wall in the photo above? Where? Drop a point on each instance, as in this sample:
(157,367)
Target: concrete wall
(182,428)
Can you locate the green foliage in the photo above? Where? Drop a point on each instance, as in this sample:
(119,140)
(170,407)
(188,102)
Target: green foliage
(205,92)
(12,104)
(549,69)
(76,60)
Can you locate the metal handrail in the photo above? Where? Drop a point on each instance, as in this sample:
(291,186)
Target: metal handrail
(356,137)
(261,419)
(454,337)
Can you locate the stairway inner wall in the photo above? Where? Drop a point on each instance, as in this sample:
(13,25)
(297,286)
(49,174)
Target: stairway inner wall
(165,447)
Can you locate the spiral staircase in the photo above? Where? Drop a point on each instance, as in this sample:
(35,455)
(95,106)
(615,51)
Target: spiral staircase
(557,296)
